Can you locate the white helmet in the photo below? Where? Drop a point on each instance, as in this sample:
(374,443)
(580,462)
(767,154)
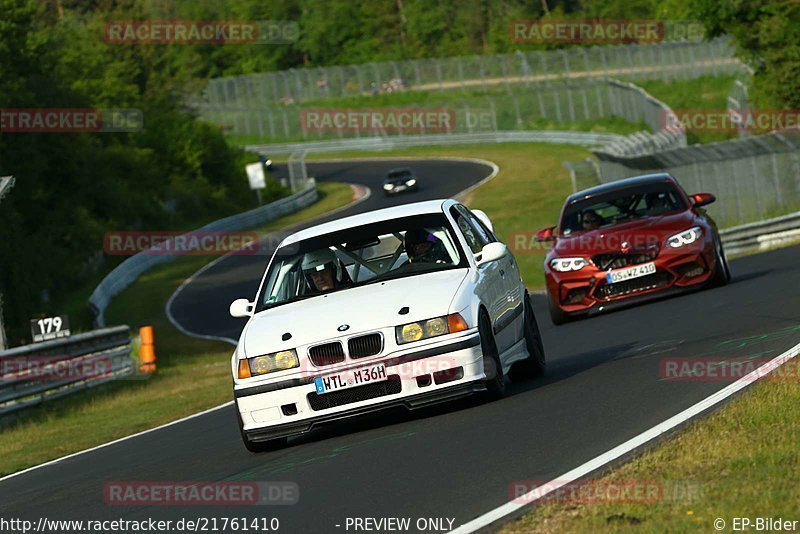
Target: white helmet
(319,260)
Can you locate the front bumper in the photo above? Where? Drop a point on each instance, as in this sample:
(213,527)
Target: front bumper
(435,373)
(586,291)
(400,188)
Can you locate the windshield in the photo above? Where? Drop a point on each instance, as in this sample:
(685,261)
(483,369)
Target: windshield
(357,256)
(620,206)
(398,175)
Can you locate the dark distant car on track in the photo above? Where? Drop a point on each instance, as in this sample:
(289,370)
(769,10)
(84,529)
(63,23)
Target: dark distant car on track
(399,180)
(628,239)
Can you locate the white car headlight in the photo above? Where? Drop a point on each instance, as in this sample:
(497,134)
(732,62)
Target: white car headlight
(388,187)
(268,363)
(411,182)
(438,326)
(564,265)
(687,237)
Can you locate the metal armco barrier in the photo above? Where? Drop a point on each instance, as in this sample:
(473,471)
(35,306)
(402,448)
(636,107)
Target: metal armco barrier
(762,235)
(42,371)
(394,142)
(130,269)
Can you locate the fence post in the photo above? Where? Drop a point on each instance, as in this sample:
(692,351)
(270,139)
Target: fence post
(461,75)
(6,183)
(573,179)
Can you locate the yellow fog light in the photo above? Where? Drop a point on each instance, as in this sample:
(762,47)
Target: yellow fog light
(436,327)
(286,359)
(276,361)
(411,332)
(261,365)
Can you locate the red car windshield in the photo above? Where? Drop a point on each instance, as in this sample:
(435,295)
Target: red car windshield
(621,205)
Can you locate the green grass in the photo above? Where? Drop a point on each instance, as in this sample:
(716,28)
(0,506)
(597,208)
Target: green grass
(703,93)
(193,374)
(743,459)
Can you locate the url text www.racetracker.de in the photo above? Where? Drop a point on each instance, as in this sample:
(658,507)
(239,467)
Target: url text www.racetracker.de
(222,524)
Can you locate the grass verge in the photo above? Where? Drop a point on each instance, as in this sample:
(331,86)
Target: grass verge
(743,461)
(193,373)
(707,93)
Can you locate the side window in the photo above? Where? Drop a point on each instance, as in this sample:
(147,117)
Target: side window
(469,232)
(476,234)
(487,234)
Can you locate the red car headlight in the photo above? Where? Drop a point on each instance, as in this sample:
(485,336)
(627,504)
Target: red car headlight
(564,265)
(687,237)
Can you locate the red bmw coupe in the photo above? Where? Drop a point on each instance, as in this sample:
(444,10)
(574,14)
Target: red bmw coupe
(627,240)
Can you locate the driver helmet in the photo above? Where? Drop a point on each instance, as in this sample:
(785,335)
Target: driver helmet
(320,260)
(414,238)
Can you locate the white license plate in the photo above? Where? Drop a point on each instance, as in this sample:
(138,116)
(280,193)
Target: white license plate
(620,275)
(350,379)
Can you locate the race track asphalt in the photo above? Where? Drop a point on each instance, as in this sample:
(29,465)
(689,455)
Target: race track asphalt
(453,461)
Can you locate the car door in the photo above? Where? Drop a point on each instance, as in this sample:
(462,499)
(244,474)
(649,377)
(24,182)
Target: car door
(509,326)
(491,287)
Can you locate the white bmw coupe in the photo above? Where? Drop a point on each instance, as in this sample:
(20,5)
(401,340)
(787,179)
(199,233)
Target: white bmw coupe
(404,306)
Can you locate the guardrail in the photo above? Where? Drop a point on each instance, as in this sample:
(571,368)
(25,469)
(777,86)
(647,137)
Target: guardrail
(42,371)
(762,235)
(393,142)
(130,269)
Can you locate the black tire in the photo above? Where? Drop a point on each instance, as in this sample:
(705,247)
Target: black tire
(535,364)
(722,272)
(557,315)
(259,446)
(495,380)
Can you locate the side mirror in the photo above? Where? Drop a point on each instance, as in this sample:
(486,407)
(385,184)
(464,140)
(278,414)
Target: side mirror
(241,308)
(702,199)
(546,234)
(491,252)
(484,219)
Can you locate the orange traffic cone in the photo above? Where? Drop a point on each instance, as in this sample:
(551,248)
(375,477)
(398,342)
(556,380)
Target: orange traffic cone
(147,351)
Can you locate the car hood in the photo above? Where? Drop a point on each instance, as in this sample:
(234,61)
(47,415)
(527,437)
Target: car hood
(637,235)
(363,308)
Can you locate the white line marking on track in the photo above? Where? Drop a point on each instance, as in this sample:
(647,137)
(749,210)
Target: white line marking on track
(143,432)
(493,516)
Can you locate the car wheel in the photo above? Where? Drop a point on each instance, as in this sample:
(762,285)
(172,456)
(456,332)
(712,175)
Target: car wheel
(495,381)
(535,364)
(557,315)
(722,272)
(259,446)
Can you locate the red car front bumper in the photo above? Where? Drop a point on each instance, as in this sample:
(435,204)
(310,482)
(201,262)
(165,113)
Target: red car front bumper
(578,292)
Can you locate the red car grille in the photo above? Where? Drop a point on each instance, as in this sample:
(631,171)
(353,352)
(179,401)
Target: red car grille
(637,285)
(617,260)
